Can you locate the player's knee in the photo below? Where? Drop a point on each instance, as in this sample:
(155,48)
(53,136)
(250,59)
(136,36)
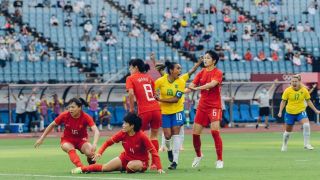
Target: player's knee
(132,167)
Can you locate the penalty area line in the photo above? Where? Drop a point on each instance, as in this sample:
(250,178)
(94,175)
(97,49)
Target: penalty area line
(67,177)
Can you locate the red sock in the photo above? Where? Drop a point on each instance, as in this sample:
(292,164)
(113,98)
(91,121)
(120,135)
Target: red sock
(155,144)
(92,168)
(218,143)
(75,158)
(197,144)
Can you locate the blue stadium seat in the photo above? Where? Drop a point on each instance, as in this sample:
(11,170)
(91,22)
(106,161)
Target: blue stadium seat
(245,113)
(119,114)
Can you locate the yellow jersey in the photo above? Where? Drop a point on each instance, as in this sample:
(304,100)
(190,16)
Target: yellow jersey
(295,99)
(170,90)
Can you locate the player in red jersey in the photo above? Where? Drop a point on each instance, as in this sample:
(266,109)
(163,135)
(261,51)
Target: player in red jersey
(75,134)
(141,86)
(135,156)
(209,111)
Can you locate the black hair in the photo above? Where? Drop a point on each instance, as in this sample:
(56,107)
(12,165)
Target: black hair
(142,67)
(78,101)
(133,119)
(170,66)
(213,55)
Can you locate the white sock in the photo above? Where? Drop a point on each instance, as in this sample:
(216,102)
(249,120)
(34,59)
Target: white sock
(181,133)
(286,136)
(306,133)
(168,144)
(41,125)
(163,140)
(176,147)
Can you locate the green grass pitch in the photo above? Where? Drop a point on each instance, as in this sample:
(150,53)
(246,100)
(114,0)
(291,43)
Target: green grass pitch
(246,156)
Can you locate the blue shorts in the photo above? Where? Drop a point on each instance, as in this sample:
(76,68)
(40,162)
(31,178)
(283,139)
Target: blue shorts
(170,120)
(291,118)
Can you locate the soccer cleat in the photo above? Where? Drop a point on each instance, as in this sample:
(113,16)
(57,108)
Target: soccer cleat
(284,148)
(257,125)
(219,164)
(309,147)
(196,161)
(76,171)
(170,156)
(90,161)
(173,166)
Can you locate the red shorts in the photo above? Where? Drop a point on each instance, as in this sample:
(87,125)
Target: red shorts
(205,118)
(125,162)
(150,119)
(77,143)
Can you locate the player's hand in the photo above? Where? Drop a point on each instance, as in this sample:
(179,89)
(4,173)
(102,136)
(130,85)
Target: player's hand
(200,59)
(318,112)
(187,90)
(96,157)
(38,143)
(314,85)
(160,171)
(279,114)
(193,88)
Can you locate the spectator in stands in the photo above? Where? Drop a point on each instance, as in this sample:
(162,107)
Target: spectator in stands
(300,27)
(54,21)
(261,56)
(273,9)
(18,3)
(85,37)
(273,26)
(248,55)
(234,56)
(177,39)
(206,37)
(175,13)
(312,7)
(213,9)
(21,103)
(188,9)
(17,17)
(274,45)
(226,46)
(210,28)
(242,18)
(184,22)
(227,19)
(281,29)
(87,12)
(226,10)
(154,36)
(68,8)
(246,36)
(4,55)
(88,27)
(274,56)
(94,49)
(307,27)
(201,9)
(289,55)
(17,49)
(112,41)
(68,21)
(167,13)
(296,59)
(233,36)
(292,28)
(309,59)
(288,45)
(135,32)
(31,109)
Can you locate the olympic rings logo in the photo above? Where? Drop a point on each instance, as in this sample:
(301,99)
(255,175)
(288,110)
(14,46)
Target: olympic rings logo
(286,77)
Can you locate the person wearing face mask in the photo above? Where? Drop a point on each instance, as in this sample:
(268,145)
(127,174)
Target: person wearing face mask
(20,108)
(31,109)
(264,106)
(294,98)
(171,88)
(209,111)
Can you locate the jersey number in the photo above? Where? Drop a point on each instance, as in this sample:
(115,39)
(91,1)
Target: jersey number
(178,116)
(296,96)
(74,131)
(148,91)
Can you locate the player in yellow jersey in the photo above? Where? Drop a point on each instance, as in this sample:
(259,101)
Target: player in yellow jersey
(170,88)
(295,97)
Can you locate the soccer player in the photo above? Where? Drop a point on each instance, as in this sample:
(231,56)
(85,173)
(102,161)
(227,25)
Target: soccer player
(208,81)
(135,156)
(141,86)
(43,110)
(75,134)
(293,98)
(264,105)
(171,88)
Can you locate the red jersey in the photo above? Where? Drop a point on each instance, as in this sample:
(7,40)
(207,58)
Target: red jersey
(210,98)
(136,147)
(75,127)
(143,87)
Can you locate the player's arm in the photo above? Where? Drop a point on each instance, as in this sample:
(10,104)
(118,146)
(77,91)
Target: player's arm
(311,105)
(282,105)
(272,86)
(209,85)
(96,136)
(109,142)
(45,133)
(313,88)
(154,154)
(195,67)
(131,100)
(174,99)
